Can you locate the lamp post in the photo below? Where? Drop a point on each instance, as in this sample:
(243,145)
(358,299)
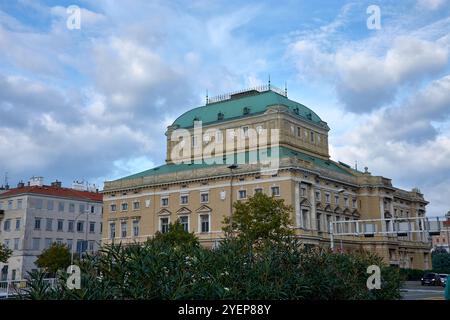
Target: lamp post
(232,167)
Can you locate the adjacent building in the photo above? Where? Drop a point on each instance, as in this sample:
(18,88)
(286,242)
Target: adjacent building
(200,190)
(36,215)
(442,240)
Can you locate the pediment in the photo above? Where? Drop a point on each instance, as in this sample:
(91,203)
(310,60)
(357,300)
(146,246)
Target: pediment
(204,208)
(338,209)
(355,213)
(164,212)
(347,211)
(184,210)
(305,203)
(328,208)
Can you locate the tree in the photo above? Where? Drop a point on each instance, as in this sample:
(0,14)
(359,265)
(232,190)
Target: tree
(261,218)
(55,258)
(5,253)
(177,236)
(441,262)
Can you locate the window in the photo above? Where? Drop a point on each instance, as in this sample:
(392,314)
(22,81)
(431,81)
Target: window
(18,224)
(123,229)
(317,195)
(19,204)
(311,136)
(112,230)
(50,205)
(6,243)
(204,197)
(184,221)
(92,209)
(136,205)
(36,243)
(61,206)
(346,201)
(319,220)
(164,202)
(305,219)
(204,223)
(299,131)
(136,228)
(48,243)
(275,191)
(124,206)
(16,244)
(70,226)
(328,222)
(59,241)
(49,225)
(354,203)
(71,207)
(80,226)
(242,194)
(184,199)
(69,244)
(81,208)
(60,225)
(164,225)
(258,190)
(81,246)
(327,197)
(113,207)
(292,130)
(7,225)
(303,191)
(91,245)
(37,223)
(91,227)
(10,204)
(336,199)
(245,131)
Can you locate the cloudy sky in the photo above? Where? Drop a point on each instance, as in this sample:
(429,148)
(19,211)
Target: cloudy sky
(93,103)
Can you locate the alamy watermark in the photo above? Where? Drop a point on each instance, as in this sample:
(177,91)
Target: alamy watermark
(374,280)
(374,20)
(74,279)
(73,21)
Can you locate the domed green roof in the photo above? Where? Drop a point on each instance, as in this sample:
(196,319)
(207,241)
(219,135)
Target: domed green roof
(244,105)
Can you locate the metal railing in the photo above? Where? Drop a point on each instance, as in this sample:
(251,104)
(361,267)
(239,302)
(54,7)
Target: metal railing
(11,288)
(261,88)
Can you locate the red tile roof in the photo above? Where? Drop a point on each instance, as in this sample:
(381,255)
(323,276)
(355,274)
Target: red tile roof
(54,192)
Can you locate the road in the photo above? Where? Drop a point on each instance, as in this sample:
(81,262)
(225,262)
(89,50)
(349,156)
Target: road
(413,290)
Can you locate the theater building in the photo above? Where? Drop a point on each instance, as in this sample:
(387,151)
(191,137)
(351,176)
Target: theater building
(198,184)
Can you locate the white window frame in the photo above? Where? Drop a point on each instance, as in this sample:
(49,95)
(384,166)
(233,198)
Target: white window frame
(258,188)
(200,222)
(239,194)
(203,193)
(160,224)
(271,191)
(181,198)
(188,221)
(121,206)
(138,205)
(111,207)
(164,198)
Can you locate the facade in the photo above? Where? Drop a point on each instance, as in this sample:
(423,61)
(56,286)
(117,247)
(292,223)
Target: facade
(199,192)
(36,215)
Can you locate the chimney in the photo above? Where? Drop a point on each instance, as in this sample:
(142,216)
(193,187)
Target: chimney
(20,184)
(36,181)
(56,184)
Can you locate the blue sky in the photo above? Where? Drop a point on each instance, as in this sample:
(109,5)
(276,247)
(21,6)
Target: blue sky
(94,103)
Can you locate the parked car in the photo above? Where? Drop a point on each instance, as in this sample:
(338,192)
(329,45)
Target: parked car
(431,279)
(444,278)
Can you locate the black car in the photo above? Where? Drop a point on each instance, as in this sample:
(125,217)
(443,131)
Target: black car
(431,279)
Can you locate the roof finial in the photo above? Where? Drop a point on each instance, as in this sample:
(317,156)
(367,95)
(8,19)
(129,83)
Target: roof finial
(269,81)
(285,89)
(207,99)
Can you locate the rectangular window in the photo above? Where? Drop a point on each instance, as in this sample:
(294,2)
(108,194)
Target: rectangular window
(71,207)
(61,206)
(59,241)
(184,199)
(113,207)
(354,203)
(6,243)
(328,223)
(318,196)
(136,228)
(10,204)
(123,229)
(164,222)
(37,223)
(245,131)
(242,194)
(92,209)
(69,244)
(7,225)
(39,204)
(164,202)
(336,200)
(81,246)
(124,206)
(346,201)
(91,245)
(70,226)
(258,190)
(303,191)
(91,227)
(80,226)
(60,225)
(49,225)
(275,191)
(36,243)
(204,223)
(312,137)
(305,219)
(19,204)
(112,230)
(18,224)
(299,132)
(327,197)
(48,243)
(81,208)
(204,197)
(50,205)
(16,244)
(184,221)
(136,205)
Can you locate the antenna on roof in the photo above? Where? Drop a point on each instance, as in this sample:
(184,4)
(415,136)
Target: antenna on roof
(207,99)
(6,180)
(285,88)
(356,165)
(269,81)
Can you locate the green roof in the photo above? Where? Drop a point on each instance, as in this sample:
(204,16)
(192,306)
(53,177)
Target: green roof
(283,153)
(234,108)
